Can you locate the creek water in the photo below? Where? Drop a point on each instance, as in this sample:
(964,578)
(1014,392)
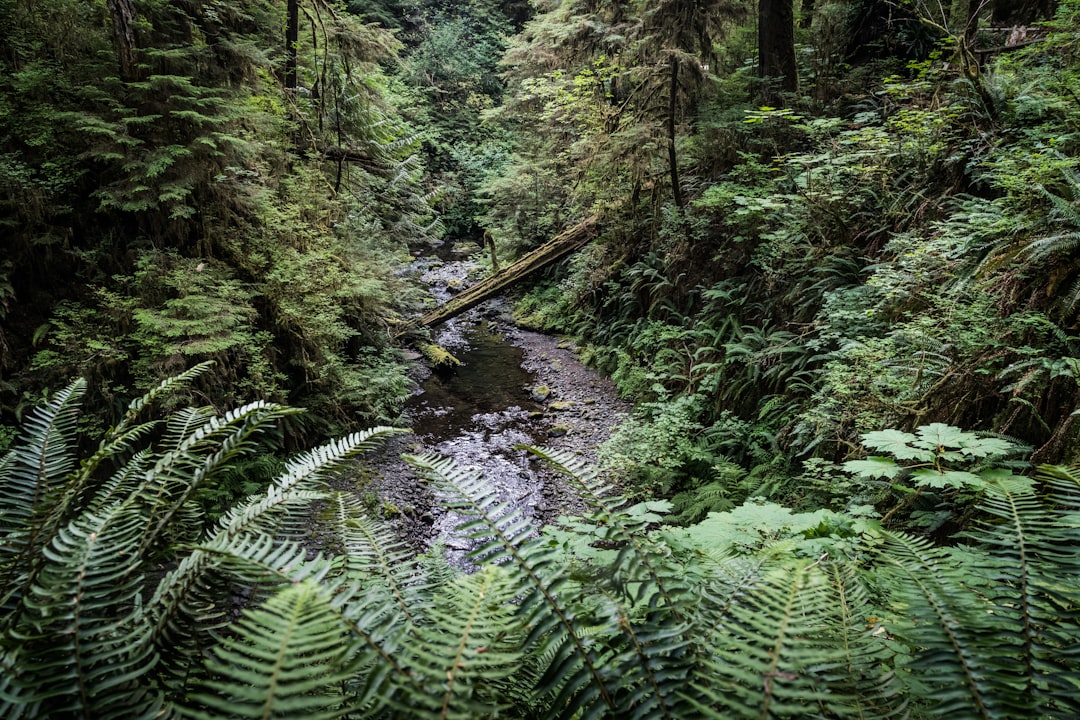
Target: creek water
(478,414)
(489,380)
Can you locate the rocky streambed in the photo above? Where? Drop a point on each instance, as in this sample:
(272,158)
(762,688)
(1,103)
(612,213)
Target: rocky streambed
(513,387)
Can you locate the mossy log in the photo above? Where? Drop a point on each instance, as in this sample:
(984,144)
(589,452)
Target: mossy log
(558,247)
(439,357)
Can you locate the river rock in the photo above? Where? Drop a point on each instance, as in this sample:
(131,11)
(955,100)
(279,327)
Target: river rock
(540,393)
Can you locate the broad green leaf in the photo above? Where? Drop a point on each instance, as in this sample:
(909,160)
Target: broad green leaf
(937,435)
(898,444)
(874,466)
(982,447)
(750,526)
(949,478)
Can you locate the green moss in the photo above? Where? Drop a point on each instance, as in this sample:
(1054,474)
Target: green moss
(439,356)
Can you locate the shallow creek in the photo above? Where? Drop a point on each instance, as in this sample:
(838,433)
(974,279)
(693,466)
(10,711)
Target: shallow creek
(479,412)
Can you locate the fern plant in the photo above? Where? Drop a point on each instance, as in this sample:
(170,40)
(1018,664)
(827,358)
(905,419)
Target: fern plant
(85,632)
(118,600)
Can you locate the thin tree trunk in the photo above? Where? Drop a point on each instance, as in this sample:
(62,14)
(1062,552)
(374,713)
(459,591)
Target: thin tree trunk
(673,160)
(123,19)
(806,14)
(971,22)
(292,41)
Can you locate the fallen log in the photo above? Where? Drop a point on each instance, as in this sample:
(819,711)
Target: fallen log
(555,249)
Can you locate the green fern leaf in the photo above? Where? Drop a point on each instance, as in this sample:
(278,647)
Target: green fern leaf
(575,681)
(287,660)
(623,527)
(948,624)
(773,655)
(373,553)
(182,599)
(1030,551)
(468,646)
(41,458)
(31,484)
(86,642)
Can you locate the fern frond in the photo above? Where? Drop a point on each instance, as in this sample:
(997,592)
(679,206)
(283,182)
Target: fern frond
(1064,483)
(181,425)
(1030,551)
(82,490)
(192,603)
(774,654)
(864,668)
(186,602)
(1048,246)
(86,642)
(949,625)
(30,484)
(651,648)
(41,458)
(263,559)
(623,528)
(16,700)
(123,436)
(182,597)
(376,630)
(575,681)
(166,386)
(178,473)
(468,645)
(372,554)
(287,660)
(312,465)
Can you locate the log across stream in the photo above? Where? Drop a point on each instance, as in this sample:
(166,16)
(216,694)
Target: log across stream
(513,386)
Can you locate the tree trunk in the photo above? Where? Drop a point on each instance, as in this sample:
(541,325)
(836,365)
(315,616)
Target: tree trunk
(553,250)
(776,48)
(806,14)
(292,41)
(673,160)
(123,19)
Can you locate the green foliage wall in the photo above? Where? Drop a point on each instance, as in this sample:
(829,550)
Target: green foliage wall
(890,249)
(198,210)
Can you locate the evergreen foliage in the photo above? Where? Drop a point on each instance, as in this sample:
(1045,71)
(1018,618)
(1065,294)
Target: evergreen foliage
(190,207)
(882,256)
(888,250)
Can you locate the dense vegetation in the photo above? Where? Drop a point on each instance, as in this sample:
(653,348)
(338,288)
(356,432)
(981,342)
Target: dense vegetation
(890,243)
(200,202)
(119,597)
(836,272)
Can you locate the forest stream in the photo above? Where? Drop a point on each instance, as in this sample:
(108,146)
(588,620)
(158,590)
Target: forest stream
(513,387)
